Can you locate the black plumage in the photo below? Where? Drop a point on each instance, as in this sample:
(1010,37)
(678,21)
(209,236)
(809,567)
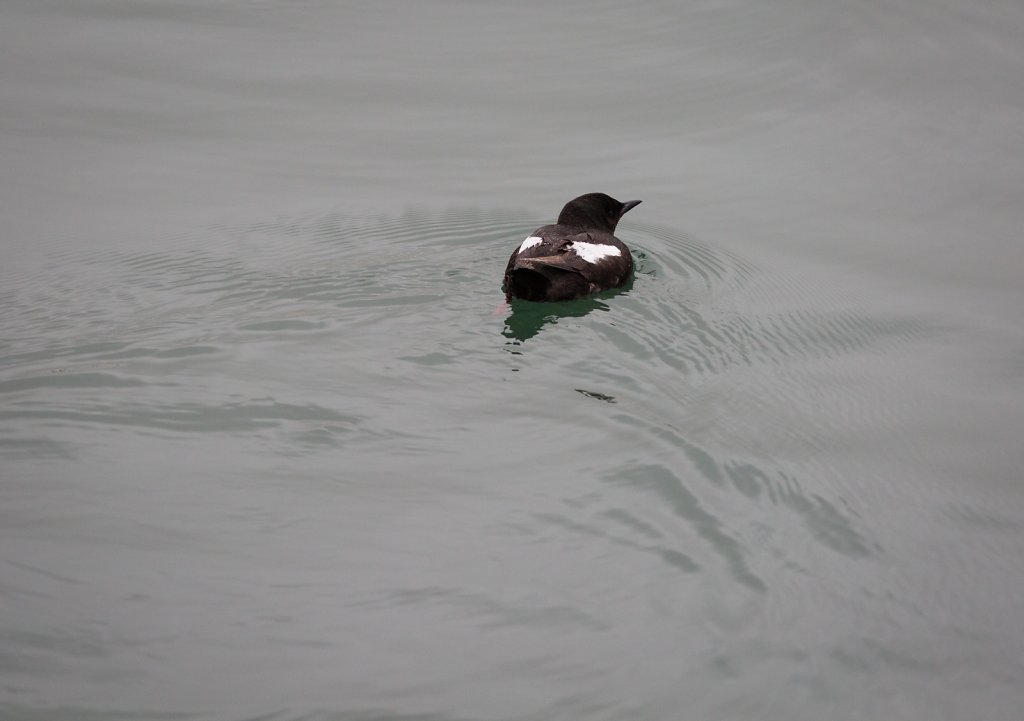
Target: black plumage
(577,256)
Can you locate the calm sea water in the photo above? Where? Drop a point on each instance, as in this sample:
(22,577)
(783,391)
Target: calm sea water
(271,447)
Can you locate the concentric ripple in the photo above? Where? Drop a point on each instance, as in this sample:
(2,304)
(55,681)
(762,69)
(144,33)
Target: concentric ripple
(689,401)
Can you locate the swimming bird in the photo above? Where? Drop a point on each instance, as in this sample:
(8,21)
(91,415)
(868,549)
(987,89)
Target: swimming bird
(576,256)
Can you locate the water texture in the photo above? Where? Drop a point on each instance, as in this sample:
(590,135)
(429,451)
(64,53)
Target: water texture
(272,446)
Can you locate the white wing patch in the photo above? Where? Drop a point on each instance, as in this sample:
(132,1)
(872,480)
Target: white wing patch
(594,252)
(530,242)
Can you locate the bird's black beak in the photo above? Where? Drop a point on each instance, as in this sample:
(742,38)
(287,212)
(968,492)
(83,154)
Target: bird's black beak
(628,206)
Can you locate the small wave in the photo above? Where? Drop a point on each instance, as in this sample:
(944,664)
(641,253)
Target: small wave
(379,331)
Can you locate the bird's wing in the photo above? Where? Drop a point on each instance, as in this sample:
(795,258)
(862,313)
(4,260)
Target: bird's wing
(561,254)
(538,246)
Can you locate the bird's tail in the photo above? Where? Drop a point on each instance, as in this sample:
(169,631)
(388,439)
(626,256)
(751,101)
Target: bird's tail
(528,284)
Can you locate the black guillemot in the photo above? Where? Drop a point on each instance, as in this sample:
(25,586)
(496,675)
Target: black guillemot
(577,256)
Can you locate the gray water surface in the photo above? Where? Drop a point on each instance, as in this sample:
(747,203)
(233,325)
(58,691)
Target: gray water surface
(271,446)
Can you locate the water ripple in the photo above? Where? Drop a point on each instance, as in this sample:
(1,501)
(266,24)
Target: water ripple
(378,335)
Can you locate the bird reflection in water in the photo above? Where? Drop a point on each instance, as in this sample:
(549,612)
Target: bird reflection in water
(528,318)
